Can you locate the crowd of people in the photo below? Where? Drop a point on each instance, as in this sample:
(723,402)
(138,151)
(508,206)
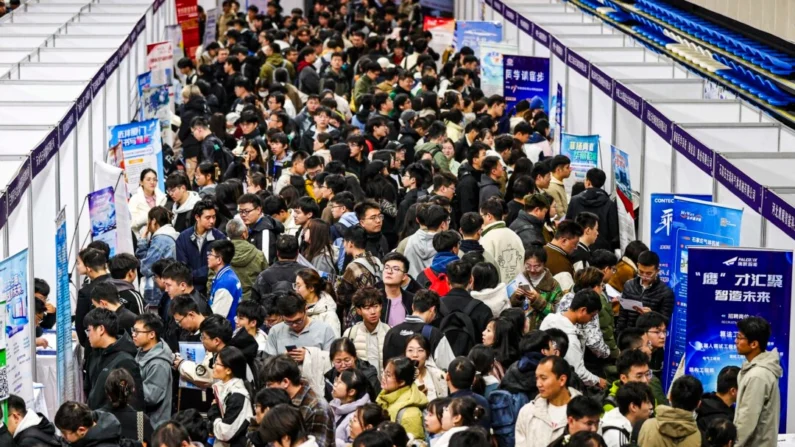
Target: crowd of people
(370,252)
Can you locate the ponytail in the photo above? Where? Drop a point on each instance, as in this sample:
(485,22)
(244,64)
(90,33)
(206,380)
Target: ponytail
(471,413)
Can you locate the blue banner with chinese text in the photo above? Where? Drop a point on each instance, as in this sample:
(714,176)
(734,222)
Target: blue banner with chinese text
(524,78)
(583,151)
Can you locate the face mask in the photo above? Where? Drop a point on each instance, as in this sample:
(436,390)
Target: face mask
(263,94)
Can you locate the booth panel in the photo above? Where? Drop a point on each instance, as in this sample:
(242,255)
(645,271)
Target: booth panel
(765,118)
(112,42)
(124,2)
(639,71)
(558,18)
(751,230)
(43,18)
(39,72)
(749,114)
(525,44)
(13,29)
(16,91)
(5,69)
(689,179)
(661,89)
(20,140)
(774,172)
(787,140)
(32,115)
(90,29)
(68,186)
(85,169)
(775,238)
(45,185)
(736,138)
(557,73)
(577,98)
(71,56)
(12,57)
(594,41)
(8,169)
(14,42)
(19,226)
(540,50)
(112,100)
(71,8)
(657,172)
(118,9)
(108,18)
(99,126)
(595,55)
(695,111)
(601,110)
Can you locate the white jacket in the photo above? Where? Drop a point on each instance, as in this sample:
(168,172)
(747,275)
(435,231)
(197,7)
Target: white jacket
(575,354)
(325,310)
(223,431)
(434,380)
(496,298)
(444,439)
(506,248)
(533,425)
(613,437)
(362,339)
(139,208)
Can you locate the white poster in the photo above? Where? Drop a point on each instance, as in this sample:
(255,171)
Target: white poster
(160,61)
(491,68)
(106,175)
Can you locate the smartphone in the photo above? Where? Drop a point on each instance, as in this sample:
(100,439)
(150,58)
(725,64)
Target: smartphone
(290,348)
(525,287)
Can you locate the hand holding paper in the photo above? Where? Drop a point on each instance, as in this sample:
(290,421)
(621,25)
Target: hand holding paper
(629,304)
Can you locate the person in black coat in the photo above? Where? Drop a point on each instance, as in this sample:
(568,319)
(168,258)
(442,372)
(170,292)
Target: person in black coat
(595,200)
(468,188)
(119,388)
(28,428)
(106,296)
(719,404)
(282,271)
(93,264)
(104,430)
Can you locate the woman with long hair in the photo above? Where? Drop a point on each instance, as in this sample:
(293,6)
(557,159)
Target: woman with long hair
(226,195)
(284,426)
(159,242)
(233,409)
(146,197)
(487,367)
(627,267)
(343,357)
(521,168)
(400,395)
(319,296)
(349,393)
(367,417)
(218,128)
(120,389)
(318,248)
(459,415)
(248,162)
(430,379)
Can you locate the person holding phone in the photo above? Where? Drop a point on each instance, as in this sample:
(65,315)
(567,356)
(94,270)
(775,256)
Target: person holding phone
(297,331)
(537,292)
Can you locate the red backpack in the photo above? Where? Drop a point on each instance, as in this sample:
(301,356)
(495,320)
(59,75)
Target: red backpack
(439,283)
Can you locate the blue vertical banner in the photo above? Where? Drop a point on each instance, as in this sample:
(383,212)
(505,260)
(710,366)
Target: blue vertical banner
(525,77)
(17,338)
(469,33)
(662,219)
(491,66)
(695,223)
(63,311)
(102,213)
(583,151)
(559,112)
(728,285)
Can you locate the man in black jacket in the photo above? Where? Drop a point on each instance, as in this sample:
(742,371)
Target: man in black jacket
(412,179)
(459,274)
(595,200)
(109,351)
(91,263)
(469,174)
(721,403)
(647,288)
(372,220)
(263,230)
(85,428)
(29,429)
(106,296)
(462,146)
(411,126)
(282,271)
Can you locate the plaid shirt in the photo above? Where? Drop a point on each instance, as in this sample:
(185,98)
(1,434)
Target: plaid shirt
(318,417)
(590,332)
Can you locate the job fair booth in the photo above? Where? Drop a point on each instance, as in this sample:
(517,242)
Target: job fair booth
(706,174)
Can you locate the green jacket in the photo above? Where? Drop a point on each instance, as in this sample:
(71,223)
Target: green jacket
(247,263)
(413,401)
(273,62)
(656,391)
(550,293)
(363,85)
(607,325)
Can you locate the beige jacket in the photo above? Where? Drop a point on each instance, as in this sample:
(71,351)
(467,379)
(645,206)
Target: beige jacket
(672,427)
(361,338)
(558,193)
(534,427)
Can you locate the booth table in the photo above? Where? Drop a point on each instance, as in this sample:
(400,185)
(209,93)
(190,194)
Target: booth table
(47,374)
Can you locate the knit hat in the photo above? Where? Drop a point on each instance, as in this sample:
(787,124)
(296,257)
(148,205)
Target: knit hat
(536,103)
(407,116)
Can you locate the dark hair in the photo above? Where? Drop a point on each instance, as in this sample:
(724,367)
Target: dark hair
(506,339)
(586,439)
(560,339)
(583,406)
(287,246)
(202,206)
(537,252)
(224,249)
(41,287)
(233,359)
(534,342)
(147,171)
(183,305)
(121,264)
(105,290)
(470,223)
(586,219)
(568,230)
(177,179)
(395,256)
(686,393)
(270,397)
(630,338)
(471,437)
(727,379)
(424,300)
(355,380)
(755,329)
(289,304)
(558,161)
(485,276)
(216,326)
(371,414)
(629,358)
(493,206)
(315,282)
(649,258)
(92,258)
(252,310)
(483,358)
(633,393)
(16,403)
(73,415)
(458,273)
(650,320)
(356,235)
(151,322)
(119,386)
(469,410)
(282,420)
(462,373)
(445,241)
(344,198)
(320,242)
(374,438)
(587,299)
(539,169)
(587,278)
(160,215)
(559,366)
(720,432)
(366,297)
(596,176)
(207,168)
(405,369)
(634,249)
(281,367)
(105,318)
(602,259)
(187,422)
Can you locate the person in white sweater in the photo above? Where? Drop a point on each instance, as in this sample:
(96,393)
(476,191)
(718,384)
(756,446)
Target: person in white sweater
(499,241)
(635,404)
(585,305)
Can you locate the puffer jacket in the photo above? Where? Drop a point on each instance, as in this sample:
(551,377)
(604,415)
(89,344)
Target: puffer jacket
(412,401)
(231,427)
(521,376)
(194,108)
(139,208)
(658,296)
(163,244)
(106,431)
(534,427)
(488,188)
(548,289)
(182,218)
(325,309)
(529,228)
(35,430)
(360,338)
(468,188)
(100,362)
(759,401)
(343,413)
(672,427)
(247,264)
(496,298)
(156,371)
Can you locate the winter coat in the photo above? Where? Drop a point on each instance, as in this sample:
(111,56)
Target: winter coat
(230,429)
(343,86)
(325,309)
(558,261)
(281,271)
(412,401)
(183,214)
(457,300)
(409,138)
(343,413)
(521,376)
(273,62)
(759,401)
(488,188)
(128,418)
(309,80)
(162,244)
(395,341)
(658,296)
(361,339)
(419,251)
(35,430)
(444,439)
(5,437)
(434,380)
(533,425)
(529,228)
(576,352)
(711,409)
(363,85)
(454,130)
(106,431)
(257,236)
(156,374)
(671,427)
(607,325)
(139,208)
(597,201)
(369,372)
(247,263)
(616,438)
(195,107)
(559,197)
(226,293)
(625,270)
(496,298)
(505,247)
(101,362)
(189,253)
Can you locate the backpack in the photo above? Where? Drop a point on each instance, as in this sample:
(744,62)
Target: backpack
(458,328)
(439,283)
(505,408)
(258,369)
(625,436)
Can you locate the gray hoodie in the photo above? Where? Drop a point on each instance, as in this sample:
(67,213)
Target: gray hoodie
(156,374)
(759,401)
(419,251)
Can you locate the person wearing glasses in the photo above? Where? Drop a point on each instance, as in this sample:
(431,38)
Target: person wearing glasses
(655,325)
(647,288)
(154,358)
(216,334)
(263,230)
(633,367)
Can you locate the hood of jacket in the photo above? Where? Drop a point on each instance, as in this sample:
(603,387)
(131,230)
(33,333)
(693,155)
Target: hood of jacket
(193,199)
(197,104)
(341,409)
(349,219)
(422,242)
(468,245)
(168,231)
(232,386)
(521,376)
(674,422)
(529,219)
(491,294)
(106,431)
(769,360)
(712,405)
(594,198)
(614,418)
(324,304)
(121,285)
(429,146)
(536,138)
(35,425)
(245,254)
(485,180)
(270,224)
(246,343)
(408,396)
(275,59)
(440,261)
(159,351)
(123,344)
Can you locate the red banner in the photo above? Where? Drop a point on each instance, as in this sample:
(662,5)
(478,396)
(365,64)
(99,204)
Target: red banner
(188,19)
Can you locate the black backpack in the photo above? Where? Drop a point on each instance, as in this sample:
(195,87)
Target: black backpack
(459,329)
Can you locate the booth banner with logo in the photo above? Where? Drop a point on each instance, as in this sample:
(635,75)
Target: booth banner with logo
(142,147)
(102,211)
(696,223)
(624,203)
(188,20)
(17,376)
(728,285)
(525,77)
(211,27)
(583,151)
(662,229)
(106,176)
(469,33)
(443,31)
(160,61)
(491,66)
(63,311)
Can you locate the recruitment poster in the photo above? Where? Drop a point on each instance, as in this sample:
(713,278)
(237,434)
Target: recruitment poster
(160,61)
(102,212)
(583,151)
(624,203)
(491,67)
(728,285)
(525,78)
(17,376)
(469,33)
(662,229)
(105,176)
(188,20)
(210,27)
(142,147)
(442,29)
(696,223)
(194,352)
(63,309)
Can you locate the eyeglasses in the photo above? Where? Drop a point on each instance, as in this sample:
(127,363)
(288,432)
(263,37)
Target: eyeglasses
(294,323)
(388,268)
(376,218)
(243,212)
(179,322)
(740,337)
(136,332)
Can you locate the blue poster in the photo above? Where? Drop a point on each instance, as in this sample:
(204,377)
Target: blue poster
(63,309)
(469,33)
(144,80)
(491,66)
(142,147)
(102,213)
(17,337)
(559,110)
(525,77)
(695,223)
(583,151)
(624,202)
(726,286)
(662,218)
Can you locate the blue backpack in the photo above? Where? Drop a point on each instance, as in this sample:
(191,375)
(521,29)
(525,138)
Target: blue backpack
(505,408)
